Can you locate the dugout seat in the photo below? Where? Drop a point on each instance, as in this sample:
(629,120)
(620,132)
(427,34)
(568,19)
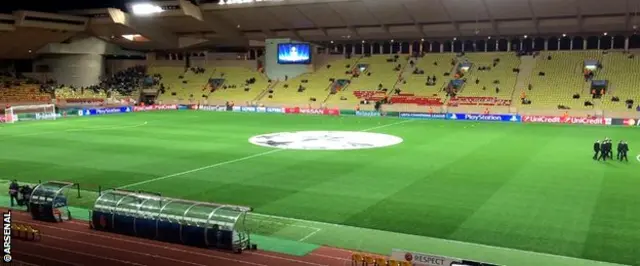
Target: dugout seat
(381,262)
(393,263)
(369,261)
(26,232)
(357,260)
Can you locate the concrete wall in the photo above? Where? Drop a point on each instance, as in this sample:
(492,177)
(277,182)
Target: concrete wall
(277,71)
(86,45)
(114,65)
(77,70)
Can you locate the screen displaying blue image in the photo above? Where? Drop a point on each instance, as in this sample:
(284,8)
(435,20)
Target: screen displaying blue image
(294,53)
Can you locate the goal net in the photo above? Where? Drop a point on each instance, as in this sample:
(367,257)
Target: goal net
(17,113)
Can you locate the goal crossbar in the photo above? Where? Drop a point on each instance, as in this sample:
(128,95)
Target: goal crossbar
(30,112)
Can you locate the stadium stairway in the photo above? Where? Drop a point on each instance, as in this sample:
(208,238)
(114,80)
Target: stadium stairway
(265,92)
(527,64)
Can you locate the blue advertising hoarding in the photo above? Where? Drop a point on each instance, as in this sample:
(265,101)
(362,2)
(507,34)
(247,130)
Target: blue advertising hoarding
(485,117)
(103,111)
(368,113)
(424,116)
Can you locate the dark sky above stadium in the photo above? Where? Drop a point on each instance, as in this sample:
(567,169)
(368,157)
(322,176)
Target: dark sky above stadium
(51,6)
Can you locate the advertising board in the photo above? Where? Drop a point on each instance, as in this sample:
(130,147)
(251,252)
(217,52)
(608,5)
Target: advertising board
(485,117)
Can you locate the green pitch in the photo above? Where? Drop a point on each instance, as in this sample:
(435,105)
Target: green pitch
(526,187)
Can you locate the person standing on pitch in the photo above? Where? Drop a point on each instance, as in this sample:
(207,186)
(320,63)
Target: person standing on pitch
(603,150)
(13,191)
(620,148)
(596,149)
(625,149)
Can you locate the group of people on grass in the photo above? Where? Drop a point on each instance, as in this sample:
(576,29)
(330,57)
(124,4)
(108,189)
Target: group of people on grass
(604,149)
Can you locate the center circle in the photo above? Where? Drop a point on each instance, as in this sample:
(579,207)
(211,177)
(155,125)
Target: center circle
(325,140)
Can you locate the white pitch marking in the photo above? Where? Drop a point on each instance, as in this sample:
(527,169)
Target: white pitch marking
(440,239)
(80,129)
(282,223)
(309,235)
(237,160)
(638,157)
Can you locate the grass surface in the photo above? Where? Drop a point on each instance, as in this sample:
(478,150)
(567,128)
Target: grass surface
(528,187)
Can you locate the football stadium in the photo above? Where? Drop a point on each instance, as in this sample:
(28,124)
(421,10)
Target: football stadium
(321,132)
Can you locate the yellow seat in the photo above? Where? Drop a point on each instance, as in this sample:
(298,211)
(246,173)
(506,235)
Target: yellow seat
(393,263)
(381,262)
(357,259)
(369,260)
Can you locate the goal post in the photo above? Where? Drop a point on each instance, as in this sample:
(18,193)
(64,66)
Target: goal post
(30,112)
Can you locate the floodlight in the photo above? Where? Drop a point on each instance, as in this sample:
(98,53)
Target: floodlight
(131,37)
(145,9)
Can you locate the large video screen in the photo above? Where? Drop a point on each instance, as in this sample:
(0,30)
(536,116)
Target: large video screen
(294,53)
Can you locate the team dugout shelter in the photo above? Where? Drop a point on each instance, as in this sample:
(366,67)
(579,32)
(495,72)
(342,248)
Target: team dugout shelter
(193,223)
(49,201)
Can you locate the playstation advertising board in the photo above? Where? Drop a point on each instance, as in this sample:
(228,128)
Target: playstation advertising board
(104,111)
(485,117)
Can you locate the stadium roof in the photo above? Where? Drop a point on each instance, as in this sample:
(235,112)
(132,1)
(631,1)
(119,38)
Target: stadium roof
(182,24)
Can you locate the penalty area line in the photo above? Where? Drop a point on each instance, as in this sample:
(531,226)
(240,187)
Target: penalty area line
(310,235)
(237,160)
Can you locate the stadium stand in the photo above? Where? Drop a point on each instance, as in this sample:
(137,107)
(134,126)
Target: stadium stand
(241,85)
(302,90)
(619,69)
(556,78)
(180,84)
(378,72)
(23,94)
(68,93)
(491,71)
(432,65)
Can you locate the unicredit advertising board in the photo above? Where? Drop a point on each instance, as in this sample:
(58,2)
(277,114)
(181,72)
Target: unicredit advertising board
(155,107)
(312,111)
(485,117)
(566,120)
(424,116)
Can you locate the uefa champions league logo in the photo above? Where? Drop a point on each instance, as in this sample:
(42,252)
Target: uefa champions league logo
(325,140)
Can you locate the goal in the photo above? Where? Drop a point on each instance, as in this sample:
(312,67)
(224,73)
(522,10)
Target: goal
(30,112)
